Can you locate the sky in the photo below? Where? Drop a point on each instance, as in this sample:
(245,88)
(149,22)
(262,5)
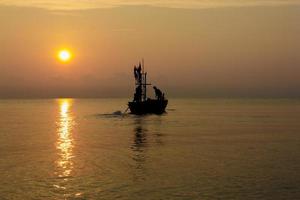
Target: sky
(191,48)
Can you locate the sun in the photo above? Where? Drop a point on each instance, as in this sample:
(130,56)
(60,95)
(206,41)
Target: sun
(64,55)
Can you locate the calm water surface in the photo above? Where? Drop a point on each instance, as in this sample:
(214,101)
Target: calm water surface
(201,149)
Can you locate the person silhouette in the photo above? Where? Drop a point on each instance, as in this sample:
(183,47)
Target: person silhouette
(138,94)
(158,93)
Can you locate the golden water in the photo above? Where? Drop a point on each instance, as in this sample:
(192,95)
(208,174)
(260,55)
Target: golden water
(200,149)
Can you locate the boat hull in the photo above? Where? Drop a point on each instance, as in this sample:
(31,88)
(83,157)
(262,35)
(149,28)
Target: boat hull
(147,107)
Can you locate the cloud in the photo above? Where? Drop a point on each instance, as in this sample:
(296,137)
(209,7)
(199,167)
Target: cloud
(189,4)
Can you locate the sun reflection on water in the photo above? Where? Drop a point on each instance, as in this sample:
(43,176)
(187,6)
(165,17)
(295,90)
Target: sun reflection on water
(65,142)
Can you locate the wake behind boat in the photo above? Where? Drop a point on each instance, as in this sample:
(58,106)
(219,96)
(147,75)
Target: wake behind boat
(141,104)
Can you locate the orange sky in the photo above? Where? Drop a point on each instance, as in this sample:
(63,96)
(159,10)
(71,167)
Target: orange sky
(226,51)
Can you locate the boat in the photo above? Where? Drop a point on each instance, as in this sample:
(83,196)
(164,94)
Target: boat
(141,104)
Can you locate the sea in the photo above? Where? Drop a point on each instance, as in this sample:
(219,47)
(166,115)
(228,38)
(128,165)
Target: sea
(88,149)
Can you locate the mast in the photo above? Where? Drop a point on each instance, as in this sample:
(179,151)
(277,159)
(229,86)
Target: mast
(145,81)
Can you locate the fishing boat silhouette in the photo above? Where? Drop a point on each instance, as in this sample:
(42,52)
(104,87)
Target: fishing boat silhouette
(141,104)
